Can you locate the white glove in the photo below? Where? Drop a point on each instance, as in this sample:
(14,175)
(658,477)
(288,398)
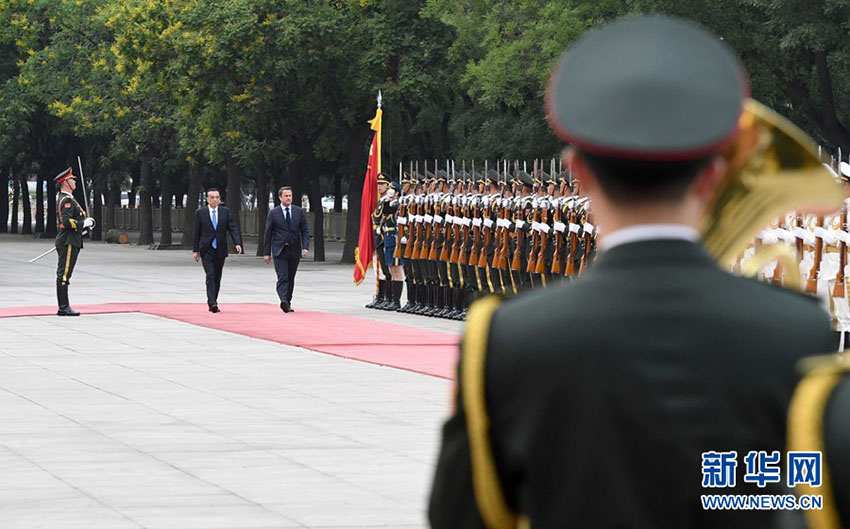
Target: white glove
(88,223)
(404,240)
(769,237)
(390,192)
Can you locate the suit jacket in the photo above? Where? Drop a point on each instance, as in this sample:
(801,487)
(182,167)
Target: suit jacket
(279,234)
(603,394)
(203,232)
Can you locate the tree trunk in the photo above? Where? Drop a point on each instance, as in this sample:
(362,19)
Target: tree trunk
(338,193)
(97,209)
(4,202)
(26,229)
(357,155)
(196,182)
(234,194)
(262,204)
(16,186)
(836,132)
(165,212)
(311,170)
(131,194)
(51,209)
(112,196)
(145,207)
(39,203)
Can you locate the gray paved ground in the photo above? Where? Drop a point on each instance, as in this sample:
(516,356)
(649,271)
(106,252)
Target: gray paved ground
(130,420)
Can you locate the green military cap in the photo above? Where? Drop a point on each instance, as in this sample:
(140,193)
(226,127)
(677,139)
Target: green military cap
(649,88)
(476,177)
(549,178)
(407,178)
(429,177)
(524,179)
(442,176)
(493,176)
(67,174)
(563,177)
(384,178)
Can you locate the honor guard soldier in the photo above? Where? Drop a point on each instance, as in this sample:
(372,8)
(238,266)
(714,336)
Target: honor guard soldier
(404,215)
(389,229)
(594,403)
(384,298)
(69,241)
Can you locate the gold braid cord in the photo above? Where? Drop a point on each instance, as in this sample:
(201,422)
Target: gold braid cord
(806,432)
(488,492)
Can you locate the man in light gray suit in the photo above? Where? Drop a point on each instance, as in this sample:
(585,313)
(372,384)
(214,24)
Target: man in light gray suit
(287,239)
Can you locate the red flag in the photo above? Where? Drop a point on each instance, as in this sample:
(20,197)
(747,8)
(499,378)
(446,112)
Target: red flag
(366,242)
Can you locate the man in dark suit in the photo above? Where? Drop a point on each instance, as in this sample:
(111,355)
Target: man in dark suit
(595,403)
(212,224)
(287,239)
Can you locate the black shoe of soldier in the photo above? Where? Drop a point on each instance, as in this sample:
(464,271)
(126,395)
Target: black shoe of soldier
(284,306)
(67,311)
(375,301)
(214,308)
(394,306)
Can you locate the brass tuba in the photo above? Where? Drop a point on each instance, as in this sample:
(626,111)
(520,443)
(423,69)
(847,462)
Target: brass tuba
(773,168)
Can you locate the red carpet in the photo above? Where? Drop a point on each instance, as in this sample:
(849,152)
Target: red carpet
(387,344)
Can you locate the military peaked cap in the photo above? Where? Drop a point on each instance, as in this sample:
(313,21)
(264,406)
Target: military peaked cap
(384,178)
(648,88)
(67,174)
(524,179)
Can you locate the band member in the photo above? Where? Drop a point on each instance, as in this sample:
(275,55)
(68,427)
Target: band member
(621,381)
(69,240)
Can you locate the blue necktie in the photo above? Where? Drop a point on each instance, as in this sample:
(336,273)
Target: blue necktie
(215,225)
(286,216)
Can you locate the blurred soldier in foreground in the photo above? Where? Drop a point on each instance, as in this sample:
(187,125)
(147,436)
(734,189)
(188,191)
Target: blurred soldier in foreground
(593,404)
(69,240)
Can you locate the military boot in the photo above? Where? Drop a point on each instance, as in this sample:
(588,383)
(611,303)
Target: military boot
(64,305)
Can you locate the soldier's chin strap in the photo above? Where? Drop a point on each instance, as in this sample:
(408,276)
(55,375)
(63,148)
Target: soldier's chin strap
(489,496)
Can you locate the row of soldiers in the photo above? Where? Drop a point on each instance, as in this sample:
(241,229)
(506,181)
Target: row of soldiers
(455,235)
(820,245)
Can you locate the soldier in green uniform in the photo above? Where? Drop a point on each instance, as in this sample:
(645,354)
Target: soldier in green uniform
(817,422)
(69,241)
(591,404)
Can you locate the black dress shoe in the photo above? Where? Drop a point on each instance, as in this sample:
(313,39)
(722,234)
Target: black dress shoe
(214,308)
(67,311)
(284,306)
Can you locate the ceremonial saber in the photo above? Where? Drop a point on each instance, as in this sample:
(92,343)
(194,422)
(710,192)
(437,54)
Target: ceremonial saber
(86,231)
(42,255)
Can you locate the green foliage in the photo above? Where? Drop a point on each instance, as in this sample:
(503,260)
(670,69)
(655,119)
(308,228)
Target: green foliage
(290,84)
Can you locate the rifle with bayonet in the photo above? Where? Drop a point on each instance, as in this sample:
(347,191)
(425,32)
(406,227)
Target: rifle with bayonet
(814,273)
(401,214)
(838,290)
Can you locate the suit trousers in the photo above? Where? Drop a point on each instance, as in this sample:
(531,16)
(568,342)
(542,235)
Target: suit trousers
(213,266)
(286,264)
